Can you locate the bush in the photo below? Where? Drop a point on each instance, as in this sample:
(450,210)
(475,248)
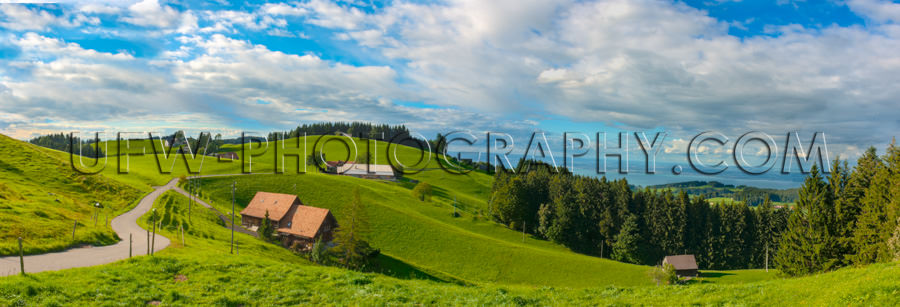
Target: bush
(319,252)
(422,191)
(664,274)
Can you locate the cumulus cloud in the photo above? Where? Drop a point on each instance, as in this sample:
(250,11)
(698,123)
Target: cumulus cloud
(152,14)
(20,17)
(224,80)
(877,10)
(644,64)
(640,65)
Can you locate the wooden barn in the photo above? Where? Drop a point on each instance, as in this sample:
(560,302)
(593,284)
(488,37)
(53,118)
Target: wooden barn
(307,225)
(276,204)
(227,156)
(294,222)
(685,265)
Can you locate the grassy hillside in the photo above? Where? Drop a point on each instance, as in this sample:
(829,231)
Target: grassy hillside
(422,236)
(427,236)
(204,273)
(41,197)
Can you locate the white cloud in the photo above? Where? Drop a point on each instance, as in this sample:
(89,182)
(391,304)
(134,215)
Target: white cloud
(644,64)
(283,9)
(35,43)
(149,13)
(878,10)
(632,64)
(331,15)
(20,17)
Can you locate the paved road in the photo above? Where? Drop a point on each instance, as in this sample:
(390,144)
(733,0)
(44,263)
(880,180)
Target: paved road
(123,225)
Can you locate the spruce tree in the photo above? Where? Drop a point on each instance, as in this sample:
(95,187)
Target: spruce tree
(266,229)
(350,234)
(806,246)
(870,235)
(765,231)
(627,245)
(842,221)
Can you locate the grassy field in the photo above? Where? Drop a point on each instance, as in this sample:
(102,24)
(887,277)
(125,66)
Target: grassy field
(429,257)
(204,273)
(426,235)
(41,198)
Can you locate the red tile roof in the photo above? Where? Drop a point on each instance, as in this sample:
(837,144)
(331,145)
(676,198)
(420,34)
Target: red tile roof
(275,203)
(306,221)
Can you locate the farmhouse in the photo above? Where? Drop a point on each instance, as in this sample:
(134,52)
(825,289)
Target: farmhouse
(685,265)
(366,171)
(294,222)
(227,155)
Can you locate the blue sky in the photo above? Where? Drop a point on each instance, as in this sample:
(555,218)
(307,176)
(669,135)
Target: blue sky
(511,66)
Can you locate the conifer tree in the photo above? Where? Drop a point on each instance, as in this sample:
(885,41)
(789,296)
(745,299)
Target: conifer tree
(350,234)
(844,215)
(870,235)
(806,245)
(627,245)
(766,231)
(266,229)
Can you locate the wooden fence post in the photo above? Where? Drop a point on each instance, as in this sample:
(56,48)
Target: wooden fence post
(153,240)
(21,258)
(130,243)
(73,229)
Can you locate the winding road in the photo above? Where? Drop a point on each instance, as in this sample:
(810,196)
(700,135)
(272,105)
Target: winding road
(124,225)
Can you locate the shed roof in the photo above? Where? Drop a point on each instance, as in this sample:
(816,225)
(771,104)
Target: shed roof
(682,262)
(276,204)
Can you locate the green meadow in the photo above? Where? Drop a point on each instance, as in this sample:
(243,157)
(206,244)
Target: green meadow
(42,199)
(203,272)
(429,256)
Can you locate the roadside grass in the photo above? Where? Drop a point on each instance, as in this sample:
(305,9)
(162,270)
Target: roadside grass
(42,197)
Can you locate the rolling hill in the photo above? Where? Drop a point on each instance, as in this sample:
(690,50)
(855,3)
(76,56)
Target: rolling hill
(42,197)
(428,255)
(204,273)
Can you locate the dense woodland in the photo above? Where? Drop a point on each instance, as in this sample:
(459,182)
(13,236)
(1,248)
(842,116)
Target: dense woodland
(608,219)
(848,217)
(355,129)
(62,142)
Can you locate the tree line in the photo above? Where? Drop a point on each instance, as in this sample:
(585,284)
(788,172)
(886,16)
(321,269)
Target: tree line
(851,216)
(609,219)
(62,142)
(372,131)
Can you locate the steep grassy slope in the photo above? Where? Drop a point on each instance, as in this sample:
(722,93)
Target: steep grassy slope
(426,235)
(204,273)
(41,197)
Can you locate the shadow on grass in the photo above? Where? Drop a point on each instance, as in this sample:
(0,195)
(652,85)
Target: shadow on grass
(714,274)
(707,278)
(396,268)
